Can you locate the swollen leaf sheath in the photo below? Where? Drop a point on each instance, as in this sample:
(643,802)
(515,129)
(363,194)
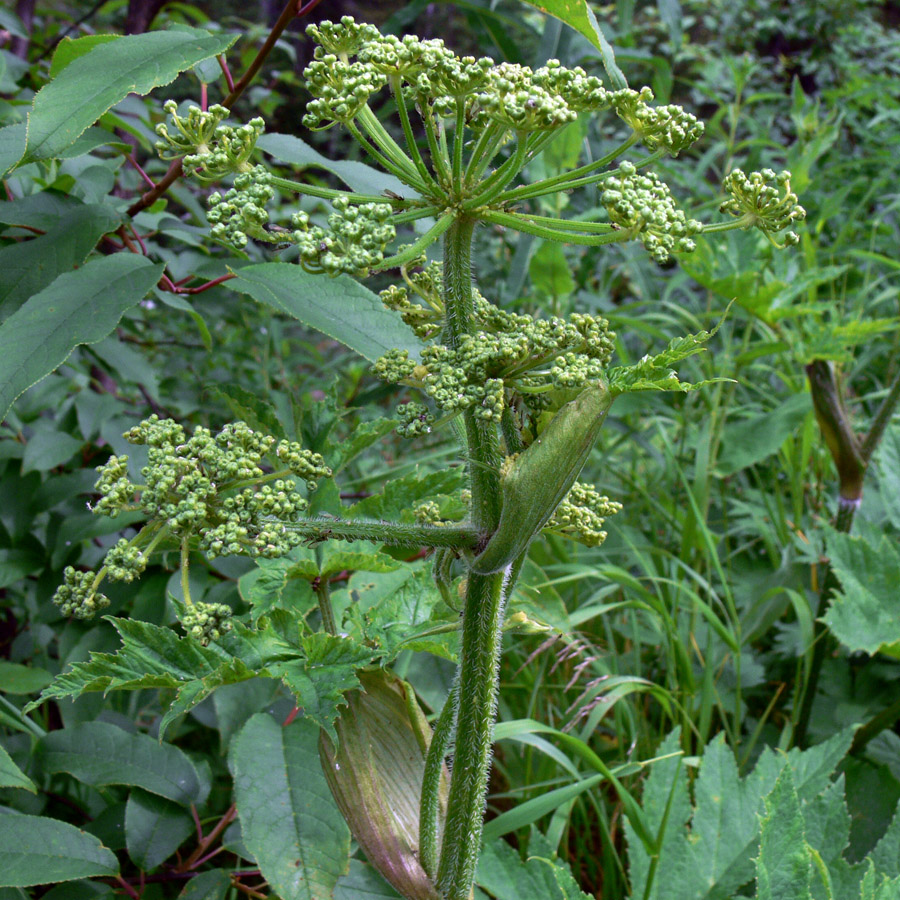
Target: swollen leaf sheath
(537,479)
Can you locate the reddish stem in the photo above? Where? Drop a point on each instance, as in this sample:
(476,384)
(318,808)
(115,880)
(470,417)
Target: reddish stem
(223,65)
(127,888)
(204,96)
(147,179)
(291,716)
(138,238)
(207,285)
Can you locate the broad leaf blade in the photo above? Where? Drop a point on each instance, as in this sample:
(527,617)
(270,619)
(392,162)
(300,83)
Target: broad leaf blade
(154,828)
(289,821)
(99,754)
(357,176)
(29,266)
(95,82)
(339,307)
(80,307)
(38,850)
(12,776)
(320,681)
(12,146)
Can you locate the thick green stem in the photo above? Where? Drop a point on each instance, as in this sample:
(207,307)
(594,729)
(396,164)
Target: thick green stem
(394,534)
(478,685)
(458,301)
(483,611)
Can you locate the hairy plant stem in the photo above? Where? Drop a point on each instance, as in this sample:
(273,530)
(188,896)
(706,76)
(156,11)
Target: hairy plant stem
(323,595)
(395,534)
(483,609)
(429,805)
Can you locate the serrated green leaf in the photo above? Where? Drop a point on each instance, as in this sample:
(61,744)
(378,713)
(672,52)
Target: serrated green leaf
(320,681)
(550,272)
(70,49)
(289,821)
(39,850)
(666,808)
(100,754)
(12,776)
(783,868)
(714,859)
(863,616)
(27,267)
(338,307)
(357,176)
(402,609)
(655,373)
(154,828)
(337,559)
(401,494)
(80,307)
(95,82)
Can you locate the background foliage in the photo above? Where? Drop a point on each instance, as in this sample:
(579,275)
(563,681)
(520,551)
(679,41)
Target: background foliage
(678,706)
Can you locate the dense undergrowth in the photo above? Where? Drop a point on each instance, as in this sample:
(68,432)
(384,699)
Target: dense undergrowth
(704,706)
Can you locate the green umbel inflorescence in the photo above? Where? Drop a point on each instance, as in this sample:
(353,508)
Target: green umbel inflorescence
(482,122)
(234,492)
(581,515)
(507,350)
(764,200)
(642,205)
(211,150)
(214,486)
(77,596)
(207,622)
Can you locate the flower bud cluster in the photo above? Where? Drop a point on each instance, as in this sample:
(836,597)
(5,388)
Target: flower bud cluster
(124,562)
(582,513)
(198,486)
(513,98)
(414,420)
(667,127)
(77,597)
(428,513)
(207,622)
(436,80)
(764,200)
(425,321)
(642,205)
(210,150)
(340,90)
(353,243)
(116,491)
(580,91)
(241,211)
(508,350)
